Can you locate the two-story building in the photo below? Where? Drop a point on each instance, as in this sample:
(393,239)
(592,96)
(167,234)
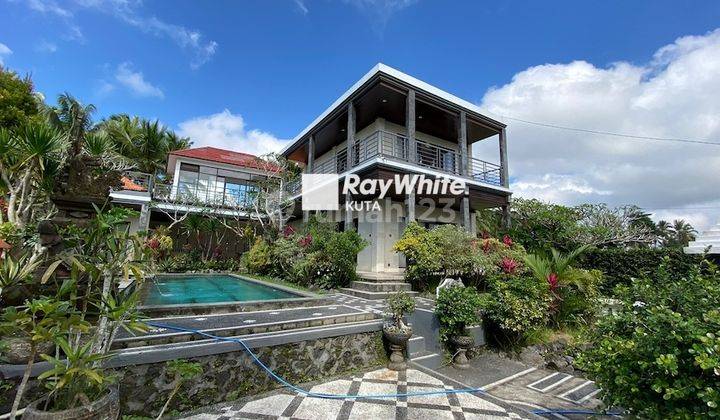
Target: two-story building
(391,123)
(388,123)
(205,180)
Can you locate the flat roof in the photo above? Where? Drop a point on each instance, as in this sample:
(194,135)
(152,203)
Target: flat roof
(403,77)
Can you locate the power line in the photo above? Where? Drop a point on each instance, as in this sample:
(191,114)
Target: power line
(609,133)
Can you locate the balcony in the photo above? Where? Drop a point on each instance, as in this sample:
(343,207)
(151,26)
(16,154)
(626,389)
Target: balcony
(218,197)
(383,144)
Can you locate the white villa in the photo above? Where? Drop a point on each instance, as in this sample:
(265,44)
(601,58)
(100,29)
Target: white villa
(387,123)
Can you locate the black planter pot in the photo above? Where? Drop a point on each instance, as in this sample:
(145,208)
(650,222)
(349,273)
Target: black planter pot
(105,408)
(398,341)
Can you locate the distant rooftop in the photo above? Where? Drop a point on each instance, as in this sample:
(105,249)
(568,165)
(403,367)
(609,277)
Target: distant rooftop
(213,154)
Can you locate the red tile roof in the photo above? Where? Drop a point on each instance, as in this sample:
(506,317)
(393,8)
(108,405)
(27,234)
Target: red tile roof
(229,157)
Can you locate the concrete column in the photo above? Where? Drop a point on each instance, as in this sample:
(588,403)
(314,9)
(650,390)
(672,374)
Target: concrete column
(309,168)
(466,211)
(410,124)
(411,206)
(311,155)
(350,135)
(348,214)
(504,178)
(144,220)
(462,140)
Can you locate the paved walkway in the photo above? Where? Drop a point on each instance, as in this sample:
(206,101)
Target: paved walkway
(285,405)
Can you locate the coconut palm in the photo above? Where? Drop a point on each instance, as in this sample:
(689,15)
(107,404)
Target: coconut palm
(663,230)
(73,118)
(682,233)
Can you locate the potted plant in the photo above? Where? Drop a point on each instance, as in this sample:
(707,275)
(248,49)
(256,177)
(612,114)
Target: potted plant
(457,308)
(398,333)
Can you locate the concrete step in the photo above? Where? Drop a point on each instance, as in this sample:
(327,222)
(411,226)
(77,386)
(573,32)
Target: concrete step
(416,346)
(380,277)
(365,294)
(428,360)
(380,287)
(242,323)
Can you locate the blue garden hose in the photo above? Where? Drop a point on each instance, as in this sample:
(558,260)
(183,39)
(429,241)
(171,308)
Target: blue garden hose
(305,392)
(299,390)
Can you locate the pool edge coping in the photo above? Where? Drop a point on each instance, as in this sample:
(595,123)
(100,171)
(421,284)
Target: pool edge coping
(304,296)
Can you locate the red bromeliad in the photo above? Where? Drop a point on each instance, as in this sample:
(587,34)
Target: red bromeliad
(305,241)
(553,281)
(288,230)
(508,265)
(507,241)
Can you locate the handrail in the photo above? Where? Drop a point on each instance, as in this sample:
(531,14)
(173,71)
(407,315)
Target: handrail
(396,146)
(202,196)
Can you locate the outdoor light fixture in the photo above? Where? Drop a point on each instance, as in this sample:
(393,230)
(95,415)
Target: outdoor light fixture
(384,101)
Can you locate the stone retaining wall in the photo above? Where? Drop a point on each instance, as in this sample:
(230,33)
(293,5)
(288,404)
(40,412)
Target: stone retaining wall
(227,376)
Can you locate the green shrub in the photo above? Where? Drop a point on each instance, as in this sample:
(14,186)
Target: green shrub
(620,266)
(515,305)
(456,308)
(399,304)
(317,256)
(449,251)
(658,355)
(257,259)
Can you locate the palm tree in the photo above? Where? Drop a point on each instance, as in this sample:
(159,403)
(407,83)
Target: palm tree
(683,232)
(70,116)
(663,230)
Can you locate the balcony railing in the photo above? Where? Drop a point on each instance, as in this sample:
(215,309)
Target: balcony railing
(203,196)
(397,147)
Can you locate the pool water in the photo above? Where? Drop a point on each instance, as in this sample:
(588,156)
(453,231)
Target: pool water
(208,289)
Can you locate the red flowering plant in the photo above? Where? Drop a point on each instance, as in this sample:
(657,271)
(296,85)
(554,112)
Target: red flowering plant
(573,291)
(509,265)
(507,241)
(288,231)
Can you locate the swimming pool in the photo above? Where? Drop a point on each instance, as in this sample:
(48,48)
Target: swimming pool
(209,288)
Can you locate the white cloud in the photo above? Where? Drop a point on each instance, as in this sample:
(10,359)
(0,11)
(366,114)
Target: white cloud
(135,81)
(46,46)
(4,52)
(49,7)
(380,11)
(674,95)
(301,6)
(228,131)
(128,11)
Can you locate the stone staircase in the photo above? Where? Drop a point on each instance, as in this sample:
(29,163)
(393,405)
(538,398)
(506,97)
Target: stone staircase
(378,285)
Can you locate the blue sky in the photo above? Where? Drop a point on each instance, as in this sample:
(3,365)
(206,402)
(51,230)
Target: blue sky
(259,71)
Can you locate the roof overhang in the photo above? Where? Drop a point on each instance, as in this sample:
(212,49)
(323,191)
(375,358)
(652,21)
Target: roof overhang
(387,73)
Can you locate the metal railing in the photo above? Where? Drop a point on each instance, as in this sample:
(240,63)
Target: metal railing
(217,197)
(397,147)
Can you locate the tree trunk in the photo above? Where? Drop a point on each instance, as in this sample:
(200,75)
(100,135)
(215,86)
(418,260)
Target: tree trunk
(102,328)
(23,384)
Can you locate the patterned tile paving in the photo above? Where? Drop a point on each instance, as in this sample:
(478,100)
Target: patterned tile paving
(289,406)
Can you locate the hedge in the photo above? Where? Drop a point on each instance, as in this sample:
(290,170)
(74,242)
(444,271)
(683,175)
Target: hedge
(621,265)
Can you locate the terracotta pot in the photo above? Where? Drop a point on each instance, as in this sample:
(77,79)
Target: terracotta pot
(105,408)
(398,341)
(18,350)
